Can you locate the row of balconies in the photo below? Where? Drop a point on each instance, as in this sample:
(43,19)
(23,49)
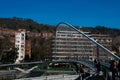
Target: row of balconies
(64,39)
(73,51)
(70,40)
(73,54)
(73,45)
(80,48)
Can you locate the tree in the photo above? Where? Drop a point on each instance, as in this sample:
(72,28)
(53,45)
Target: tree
(9,56)
(41,48)
(5,45)
(8,52)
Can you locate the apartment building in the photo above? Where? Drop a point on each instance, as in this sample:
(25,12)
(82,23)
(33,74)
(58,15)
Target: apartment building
(20,44)
(72,45)
(45,35)
(69,44)
(106,41)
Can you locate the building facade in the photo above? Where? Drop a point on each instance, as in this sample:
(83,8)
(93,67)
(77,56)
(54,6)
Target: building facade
(20,44)
(103,39)
(69,44)
(72,45)
(106,41)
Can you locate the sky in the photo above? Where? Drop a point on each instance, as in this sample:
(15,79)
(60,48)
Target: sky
(89,13)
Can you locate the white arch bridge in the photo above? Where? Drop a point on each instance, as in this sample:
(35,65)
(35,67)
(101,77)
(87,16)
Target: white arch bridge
(72,43)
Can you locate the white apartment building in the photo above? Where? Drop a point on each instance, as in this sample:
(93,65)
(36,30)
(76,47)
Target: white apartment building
(20,44)
(72,45)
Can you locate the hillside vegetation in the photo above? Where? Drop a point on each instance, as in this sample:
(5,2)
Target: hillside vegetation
(31,25)
(28,24)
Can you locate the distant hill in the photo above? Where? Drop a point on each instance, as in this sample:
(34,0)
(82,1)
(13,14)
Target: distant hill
(31,25)
(28,24)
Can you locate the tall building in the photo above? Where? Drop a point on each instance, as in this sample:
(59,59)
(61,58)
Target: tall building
(69,44)
(72,45)
(20,44)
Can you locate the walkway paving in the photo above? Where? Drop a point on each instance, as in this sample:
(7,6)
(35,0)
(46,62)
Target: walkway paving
(53,77)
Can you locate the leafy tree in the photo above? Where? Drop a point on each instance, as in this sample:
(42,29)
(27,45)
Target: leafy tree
(9,56)
(8,52)
(41,48)
(5,45)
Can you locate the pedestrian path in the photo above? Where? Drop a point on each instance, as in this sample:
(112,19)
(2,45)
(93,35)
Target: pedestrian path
(53,77)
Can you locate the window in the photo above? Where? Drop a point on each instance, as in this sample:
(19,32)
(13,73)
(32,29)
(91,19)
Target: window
(22,49)
(21,56)
(17,41)
(22,38)
(22,46)
(22,34)
(17,46)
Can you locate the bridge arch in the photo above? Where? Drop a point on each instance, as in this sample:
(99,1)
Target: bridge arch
(106,51)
